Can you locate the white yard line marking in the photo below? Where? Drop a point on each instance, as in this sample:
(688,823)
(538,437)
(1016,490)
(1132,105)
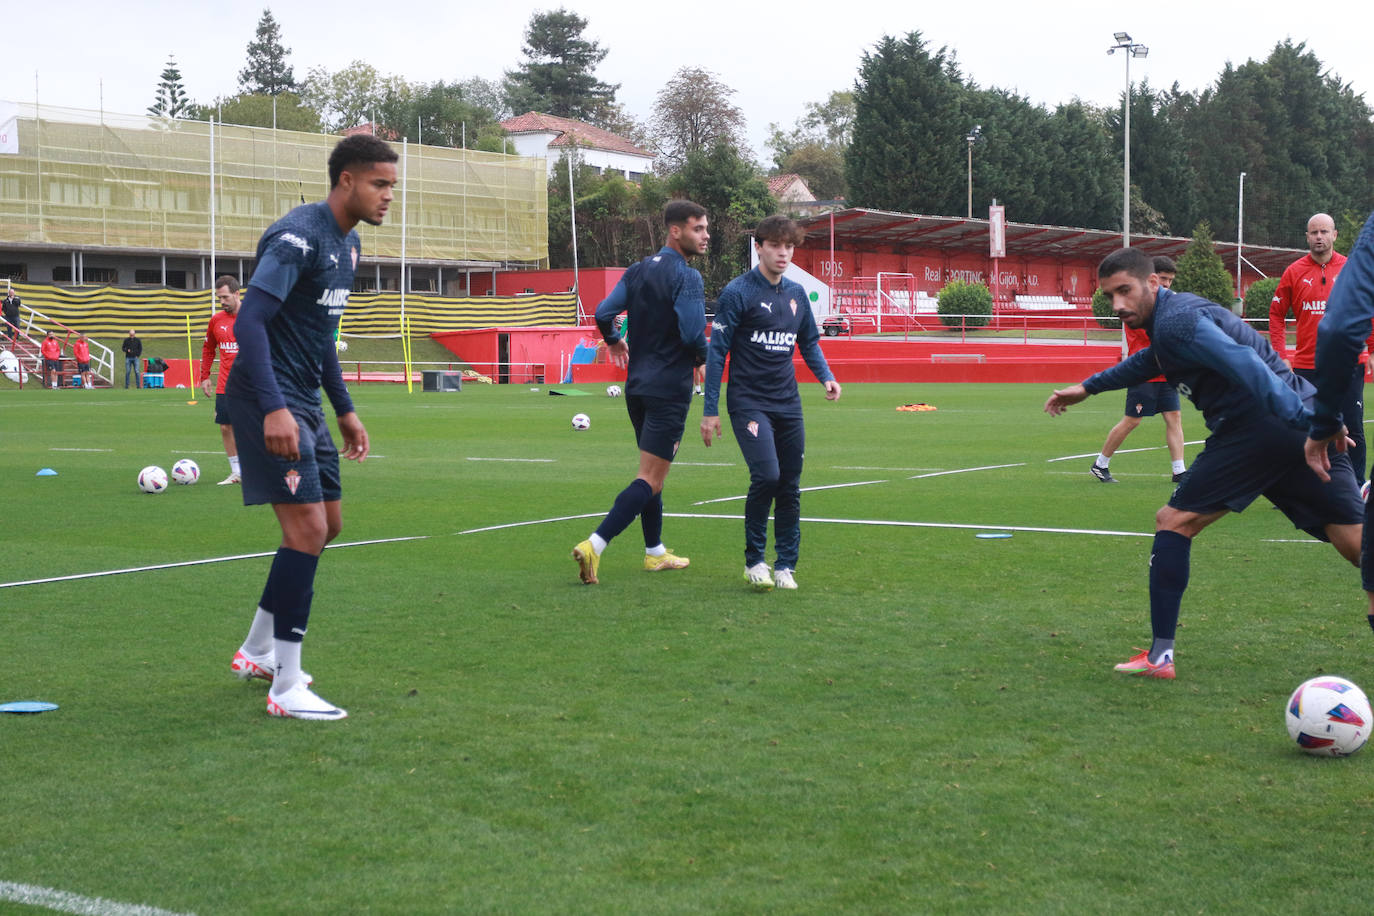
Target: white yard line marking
(537,521)
(205,562)
(861,467)
(831,486)
(884,523)
(67,902)
(1120,451)
(521,460)
(988,467)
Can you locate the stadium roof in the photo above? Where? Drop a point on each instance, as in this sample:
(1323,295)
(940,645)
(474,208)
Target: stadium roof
(859,228)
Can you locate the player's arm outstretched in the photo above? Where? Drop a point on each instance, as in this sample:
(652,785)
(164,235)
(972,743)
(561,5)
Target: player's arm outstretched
(1133,370)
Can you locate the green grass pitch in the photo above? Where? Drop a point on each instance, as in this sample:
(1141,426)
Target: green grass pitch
(930,724)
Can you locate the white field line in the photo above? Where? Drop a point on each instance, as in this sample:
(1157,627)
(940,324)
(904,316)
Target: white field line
(1120,451)
(66,902)
(988,467)
(829,486)
(518,460)
(861,467)
(885,523)
(537,521)
(205,562)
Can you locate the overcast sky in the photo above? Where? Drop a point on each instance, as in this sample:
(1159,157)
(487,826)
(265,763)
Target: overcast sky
(776,56)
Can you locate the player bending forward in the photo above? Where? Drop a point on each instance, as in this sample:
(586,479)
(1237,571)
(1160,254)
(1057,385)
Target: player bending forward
(285,329)
(760,320)
(1257,414)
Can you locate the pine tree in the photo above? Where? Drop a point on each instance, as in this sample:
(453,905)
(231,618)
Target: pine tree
(267,72)
(1201,272)
(558,77)
(171,101)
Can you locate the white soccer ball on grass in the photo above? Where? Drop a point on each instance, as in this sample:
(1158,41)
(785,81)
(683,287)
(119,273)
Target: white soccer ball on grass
(613,391)
(1328,716)
(341,345)
(152,479)
(186,471)
(581,421)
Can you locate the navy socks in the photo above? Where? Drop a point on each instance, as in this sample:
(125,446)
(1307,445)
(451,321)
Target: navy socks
(629,503)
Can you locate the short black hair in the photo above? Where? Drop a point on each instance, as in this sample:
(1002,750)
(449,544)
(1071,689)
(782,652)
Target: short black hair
(359,149)
(1132,260)
(777,228)
(1165,264)
(680,211)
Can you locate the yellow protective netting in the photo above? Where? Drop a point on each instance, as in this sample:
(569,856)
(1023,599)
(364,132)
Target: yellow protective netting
(109,312)
(85,178)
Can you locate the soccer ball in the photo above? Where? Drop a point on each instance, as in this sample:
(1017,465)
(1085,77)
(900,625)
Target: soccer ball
(341,345)
(613,391)
(582,421)
(152,479)
(1329,717)
(186,471)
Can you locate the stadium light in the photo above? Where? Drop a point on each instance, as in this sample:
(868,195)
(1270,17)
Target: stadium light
(1124,43)
(972,138)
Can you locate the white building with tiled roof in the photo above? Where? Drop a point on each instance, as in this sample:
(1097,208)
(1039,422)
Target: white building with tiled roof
(536,134)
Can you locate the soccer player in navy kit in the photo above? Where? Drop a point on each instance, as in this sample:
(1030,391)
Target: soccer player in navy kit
(1342,334)
(285,329)
(760,320)
(1257,416)
(667,307)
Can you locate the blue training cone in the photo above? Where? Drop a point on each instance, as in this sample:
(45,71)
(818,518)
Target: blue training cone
(46,472)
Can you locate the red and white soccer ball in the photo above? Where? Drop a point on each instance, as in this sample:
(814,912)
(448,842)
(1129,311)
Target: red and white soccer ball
(582,421)
(186,471)
(152,479)
(1329,717)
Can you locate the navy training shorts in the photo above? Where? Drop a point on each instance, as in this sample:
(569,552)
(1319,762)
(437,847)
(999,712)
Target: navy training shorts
(221,410)
(1151,398)
(268,478)
(658,423)
(1264,457)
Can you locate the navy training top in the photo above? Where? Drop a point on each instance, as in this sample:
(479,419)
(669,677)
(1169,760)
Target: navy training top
(287,323)
(1349,313)
(760,324)
(667,322)
(1216,360)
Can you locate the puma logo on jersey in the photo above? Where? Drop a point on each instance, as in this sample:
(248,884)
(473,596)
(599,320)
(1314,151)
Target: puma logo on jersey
(333,298)
(766,307)
(334,259)
(291,238)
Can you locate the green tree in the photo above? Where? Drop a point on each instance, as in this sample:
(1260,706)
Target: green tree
(735,196)
(286,110)
(266,71)
(821,166)
(964,305)
(352,96)
(1201,272)
(1102,310)
(437,114)
(907,152)
(1162,176)
(1257,300)
(170,101)
(1011,159)
(1083,169)
(618,222)
(558,75)
(693,113)
(828,124)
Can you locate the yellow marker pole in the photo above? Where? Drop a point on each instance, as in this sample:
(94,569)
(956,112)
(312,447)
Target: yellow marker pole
(405,352)
(190,364)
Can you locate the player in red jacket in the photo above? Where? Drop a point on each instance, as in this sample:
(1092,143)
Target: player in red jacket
(1304,288)
(52,359)
(82,351)
(219,338)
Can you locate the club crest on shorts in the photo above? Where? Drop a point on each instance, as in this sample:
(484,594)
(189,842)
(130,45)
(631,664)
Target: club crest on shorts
(293,480)
(793,303)
(753,428)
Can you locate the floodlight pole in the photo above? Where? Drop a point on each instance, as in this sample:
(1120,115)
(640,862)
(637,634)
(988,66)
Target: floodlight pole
(1124,43)
(971,138)
(572,226)
(1240,230)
